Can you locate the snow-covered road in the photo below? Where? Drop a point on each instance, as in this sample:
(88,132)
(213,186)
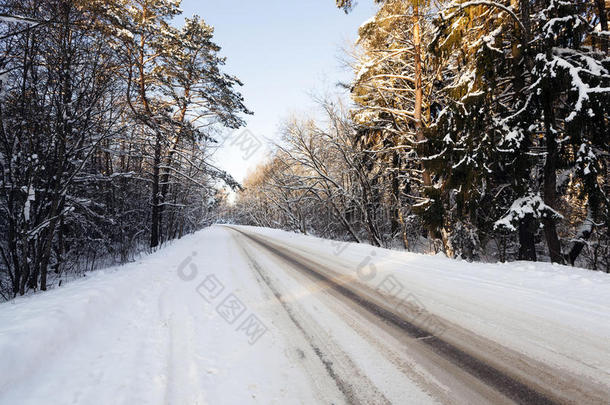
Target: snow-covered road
(245,315)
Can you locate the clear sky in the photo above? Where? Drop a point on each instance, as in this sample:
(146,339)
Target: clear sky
(283,51)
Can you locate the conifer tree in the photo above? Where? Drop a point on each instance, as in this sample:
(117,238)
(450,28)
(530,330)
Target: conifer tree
(174,86)
(481,147)
(394,95)
(571,92)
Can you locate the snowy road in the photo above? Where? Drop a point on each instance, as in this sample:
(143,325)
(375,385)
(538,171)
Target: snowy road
(234,316)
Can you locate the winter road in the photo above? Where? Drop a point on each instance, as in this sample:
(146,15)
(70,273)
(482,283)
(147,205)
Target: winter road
(235,315)
(481,373)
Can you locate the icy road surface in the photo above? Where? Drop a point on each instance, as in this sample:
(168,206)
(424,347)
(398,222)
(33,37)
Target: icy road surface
(238,315)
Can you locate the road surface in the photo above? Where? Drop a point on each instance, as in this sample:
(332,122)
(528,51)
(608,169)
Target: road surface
(233,315)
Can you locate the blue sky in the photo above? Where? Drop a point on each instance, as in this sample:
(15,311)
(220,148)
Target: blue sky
(283,51)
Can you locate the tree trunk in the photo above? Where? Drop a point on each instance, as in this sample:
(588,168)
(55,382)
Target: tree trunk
(150,122)
(13,242)
(419,91)
(527,241)
(603,22)
(550,183)
(156,214)
(60,246)
(25,275)
(578,247)
(521,61)
(395,208)
(66,130)
(419,99)
(165,179)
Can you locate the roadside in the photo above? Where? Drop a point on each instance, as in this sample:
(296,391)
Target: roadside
(218,317)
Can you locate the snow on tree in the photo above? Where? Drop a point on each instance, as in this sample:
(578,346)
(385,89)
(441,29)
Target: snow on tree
(107,114)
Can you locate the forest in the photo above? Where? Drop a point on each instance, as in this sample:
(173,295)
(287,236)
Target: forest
(108,115)
(477,129)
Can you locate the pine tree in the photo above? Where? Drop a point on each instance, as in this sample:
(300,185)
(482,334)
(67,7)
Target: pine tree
(174,86)
(571,92)
(196,94)
(106,117)
(393,93)
(531,100)
(481,147)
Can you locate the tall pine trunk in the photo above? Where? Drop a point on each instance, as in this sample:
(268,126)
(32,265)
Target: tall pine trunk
(419,91)
(550,183)
(419,99)
(164,189)
(521,61)
(150,117)
(549,186)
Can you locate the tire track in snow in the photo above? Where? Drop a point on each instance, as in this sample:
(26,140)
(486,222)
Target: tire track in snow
(406,354)
(508,385)
(182,370)
(350,380)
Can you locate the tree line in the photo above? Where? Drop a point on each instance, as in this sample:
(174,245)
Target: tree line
(108,118)
(477,128)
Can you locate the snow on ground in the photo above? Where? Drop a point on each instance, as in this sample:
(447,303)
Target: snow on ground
(373,361)
(558,314)
(194,324)
(145,334)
